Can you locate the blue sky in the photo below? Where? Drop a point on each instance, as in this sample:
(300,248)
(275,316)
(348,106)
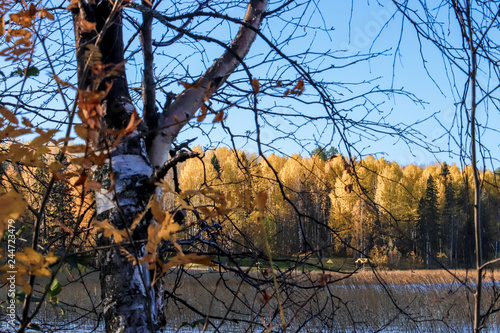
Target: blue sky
(371,28)
(368,28)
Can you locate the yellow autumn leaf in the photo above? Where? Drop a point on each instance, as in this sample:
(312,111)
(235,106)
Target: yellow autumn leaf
(207,212)
(188,193)
(55,166)
(7,114)
(109,231)
(153,239)
(37,264)
(12,205)
(81,131)
(167,230)
(21,276)
(127,255)
(190,258)
(199,259)
(29,257)
(150,258)
(51,258)
(165,186)
(26,287)
(43,138)
(158,214)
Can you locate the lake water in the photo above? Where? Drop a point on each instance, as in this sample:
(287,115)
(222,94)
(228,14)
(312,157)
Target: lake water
(440,307)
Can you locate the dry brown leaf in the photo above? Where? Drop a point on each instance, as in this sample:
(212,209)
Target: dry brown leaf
(64,227)
(45,13)
(133,123)
(55,166)
(32,10)
(255,86)
(26,122)
(203,114)
(62,83)
(2,25)
(74,5)
(20,33)
(82,131)
(248,199)
(86,26)
(185,84)
(266,298)
(81,180)
(98,159)
(43,138)
(219,117)
(324,279)
(92,185)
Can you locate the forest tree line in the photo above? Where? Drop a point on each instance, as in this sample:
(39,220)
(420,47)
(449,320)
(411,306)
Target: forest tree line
(334,206)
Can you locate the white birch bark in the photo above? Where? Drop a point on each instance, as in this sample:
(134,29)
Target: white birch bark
(128,302)
(187,103)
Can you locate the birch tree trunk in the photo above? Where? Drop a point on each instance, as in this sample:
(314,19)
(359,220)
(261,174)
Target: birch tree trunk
(129,303)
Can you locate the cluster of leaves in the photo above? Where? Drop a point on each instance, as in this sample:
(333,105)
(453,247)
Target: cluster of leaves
(21,29)
(21,160)
(84,156)
(216,204)
(18,153)
(30,263)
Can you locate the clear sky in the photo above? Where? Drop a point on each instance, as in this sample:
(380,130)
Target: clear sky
(405,66)
(370,28)
(327,25)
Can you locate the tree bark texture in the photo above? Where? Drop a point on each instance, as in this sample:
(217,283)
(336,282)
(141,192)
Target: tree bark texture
(129,303)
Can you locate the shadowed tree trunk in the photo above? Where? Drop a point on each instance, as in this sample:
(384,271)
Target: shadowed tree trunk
(129,303)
